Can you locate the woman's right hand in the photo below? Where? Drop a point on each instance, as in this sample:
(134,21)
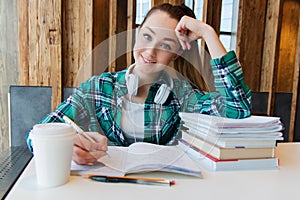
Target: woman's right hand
(189,29)
(86,152)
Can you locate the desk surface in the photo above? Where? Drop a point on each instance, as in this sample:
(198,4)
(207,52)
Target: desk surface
(256,184)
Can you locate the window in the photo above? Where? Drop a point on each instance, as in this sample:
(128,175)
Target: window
(197,6)
(228,26)
(142,7)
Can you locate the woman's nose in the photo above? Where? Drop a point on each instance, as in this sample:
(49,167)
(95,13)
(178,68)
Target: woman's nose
(151,51)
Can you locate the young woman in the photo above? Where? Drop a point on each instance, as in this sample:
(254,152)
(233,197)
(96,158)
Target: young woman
(143,102)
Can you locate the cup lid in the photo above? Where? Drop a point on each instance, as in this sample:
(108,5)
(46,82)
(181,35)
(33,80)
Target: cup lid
(52,129)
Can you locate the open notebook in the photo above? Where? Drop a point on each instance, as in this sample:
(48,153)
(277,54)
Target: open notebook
(140,157)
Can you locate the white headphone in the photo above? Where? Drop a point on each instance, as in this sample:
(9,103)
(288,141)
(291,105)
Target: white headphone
(132,83)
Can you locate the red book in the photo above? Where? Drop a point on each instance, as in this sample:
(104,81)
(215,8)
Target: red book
(213,164)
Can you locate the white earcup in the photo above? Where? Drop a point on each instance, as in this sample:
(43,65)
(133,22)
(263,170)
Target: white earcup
(132,83)
(162,94)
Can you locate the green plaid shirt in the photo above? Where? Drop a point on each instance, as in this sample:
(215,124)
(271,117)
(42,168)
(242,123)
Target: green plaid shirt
(97,103)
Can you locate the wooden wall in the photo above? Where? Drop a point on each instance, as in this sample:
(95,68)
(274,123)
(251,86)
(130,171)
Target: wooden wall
(250,37)
(57,41)
(288,45)
(288,63)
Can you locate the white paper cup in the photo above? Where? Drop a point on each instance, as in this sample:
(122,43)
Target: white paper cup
(52,149)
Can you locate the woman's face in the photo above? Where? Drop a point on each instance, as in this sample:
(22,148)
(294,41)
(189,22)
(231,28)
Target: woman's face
(156,45)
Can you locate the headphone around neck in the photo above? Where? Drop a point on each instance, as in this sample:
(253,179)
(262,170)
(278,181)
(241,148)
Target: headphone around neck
(132,83)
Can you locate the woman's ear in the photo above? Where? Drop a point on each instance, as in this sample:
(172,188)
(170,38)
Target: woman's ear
(175,57)
(179,53)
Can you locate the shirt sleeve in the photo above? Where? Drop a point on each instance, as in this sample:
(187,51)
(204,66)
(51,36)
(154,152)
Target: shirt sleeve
(69,107)
(78,107)
(232,97)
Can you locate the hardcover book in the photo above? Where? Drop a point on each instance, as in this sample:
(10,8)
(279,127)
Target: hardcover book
(212,164)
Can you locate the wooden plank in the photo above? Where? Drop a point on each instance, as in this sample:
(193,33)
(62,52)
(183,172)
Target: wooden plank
(295,88)
(23,43)
(85,41)
(212,16)
(56,78)
(131,10)
(44,46)
(288,45)
(33,42)
(271,51)
(112,32)
(45,10)
(212,13)
(121,48)
(56,72)
(250,37)
(39,55)
(77,41)
(70,41)
(100,36)
(55,46)
(117,35)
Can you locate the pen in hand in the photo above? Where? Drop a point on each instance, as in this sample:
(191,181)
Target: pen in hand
(77,128)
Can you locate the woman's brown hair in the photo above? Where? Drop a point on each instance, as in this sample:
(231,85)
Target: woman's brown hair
(188,64)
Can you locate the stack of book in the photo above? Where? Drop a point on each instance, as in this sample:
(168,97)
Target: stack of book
(218,143)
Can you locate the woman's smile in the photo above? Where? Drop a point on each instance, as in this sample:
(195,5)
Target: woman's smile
(148,60)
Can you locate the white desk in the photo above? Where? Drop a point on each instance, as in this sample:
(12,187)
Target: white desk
(282,184)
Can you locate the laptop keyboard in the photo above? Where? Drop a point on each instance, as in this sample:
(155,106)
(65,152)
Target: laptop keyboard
(12,163)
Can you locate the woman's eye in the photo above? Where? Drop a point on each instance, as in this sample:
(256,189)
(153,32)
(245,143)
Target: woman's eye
(147,37)
(165,46)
